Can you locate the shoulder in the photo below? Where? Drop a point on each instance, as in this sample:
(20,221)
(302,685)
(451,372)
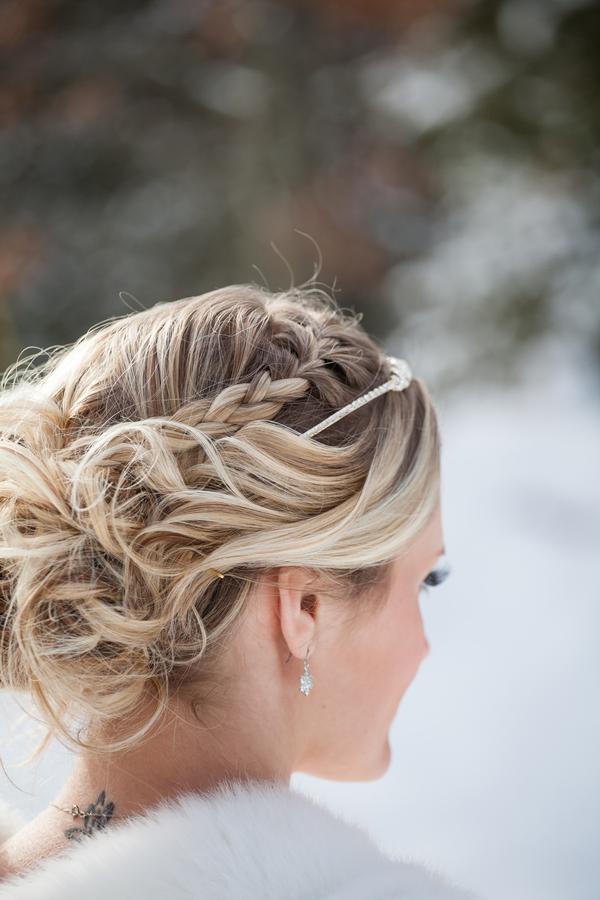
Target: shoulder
(249,840)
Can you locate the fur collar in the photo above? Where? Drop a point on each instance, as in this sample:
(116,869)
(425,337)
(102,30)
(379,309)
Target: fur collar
(242,841)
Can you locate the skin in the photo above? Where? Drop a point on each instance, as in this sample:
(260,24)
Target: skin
(339,731)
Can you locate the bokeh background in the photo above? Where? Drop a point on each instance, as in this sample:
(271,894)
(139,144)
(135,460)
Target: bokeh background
(437,164)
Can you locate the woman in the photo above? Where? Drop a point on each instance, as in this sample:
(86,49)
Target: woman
(212,556)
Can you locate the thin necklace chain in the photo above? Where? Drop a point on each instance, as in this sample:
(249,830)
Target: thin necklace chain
(76,811)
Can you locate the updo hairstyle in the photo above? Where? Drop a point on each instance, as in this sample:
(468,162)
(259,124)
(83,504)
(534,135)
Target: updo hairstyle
(167,443)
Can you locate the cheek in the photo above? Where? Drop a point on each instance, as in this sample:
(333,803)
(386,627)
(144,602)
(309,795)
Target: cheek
(402,643)
(381,662)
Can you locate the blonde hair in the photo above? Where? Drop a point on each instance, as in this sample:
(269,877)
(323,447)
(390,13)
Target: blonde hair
(167,443)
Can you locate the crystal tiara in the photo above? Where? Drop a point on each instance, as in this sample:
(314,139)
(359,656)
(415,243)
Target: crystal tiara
(400,379)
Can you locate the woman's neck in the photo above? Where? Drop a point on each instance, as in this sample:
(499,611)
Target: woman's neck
(182,757)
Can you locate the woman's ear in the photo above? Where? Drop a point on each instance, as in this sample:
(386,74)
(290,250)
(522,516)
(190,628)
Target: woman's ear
(298,607)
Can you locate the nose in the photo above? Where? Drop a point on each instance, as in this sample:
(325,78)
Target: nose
(426,648)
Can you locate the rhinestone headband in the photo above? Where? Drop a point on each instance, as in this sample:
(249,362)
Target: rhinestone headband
(400,379)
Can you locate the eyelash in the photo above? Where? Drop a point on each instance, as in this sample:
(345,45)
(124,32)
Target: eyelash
(435,577)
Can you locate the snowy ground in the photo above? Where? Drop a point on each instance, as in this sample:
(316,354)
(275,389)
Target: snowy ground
(495,776)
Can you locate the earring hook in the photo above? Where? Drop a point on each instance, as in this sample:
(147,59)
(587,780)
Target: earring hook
(290,654)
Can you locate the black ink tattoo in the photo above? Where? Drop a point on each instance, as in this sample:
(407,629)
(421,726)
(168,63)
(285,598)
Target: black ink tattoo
(102,814)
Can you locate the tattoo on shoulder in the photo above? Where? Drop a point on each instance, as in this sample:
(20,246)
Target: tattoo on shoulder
(95,817)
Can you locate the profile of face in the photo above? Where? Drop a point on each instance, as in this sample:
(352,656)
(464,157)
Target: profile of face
(360,673)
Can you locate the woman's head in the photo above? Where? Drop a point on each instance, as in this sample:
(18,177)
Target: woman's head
(168,443)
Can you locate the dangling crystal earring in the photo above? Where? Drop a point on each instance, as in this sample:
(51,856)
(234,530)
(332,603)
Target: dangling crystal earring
(306,679)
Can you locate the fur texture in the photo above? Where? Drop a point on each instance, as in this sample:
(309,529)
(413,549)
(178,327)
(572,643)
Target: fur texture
(242,841)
